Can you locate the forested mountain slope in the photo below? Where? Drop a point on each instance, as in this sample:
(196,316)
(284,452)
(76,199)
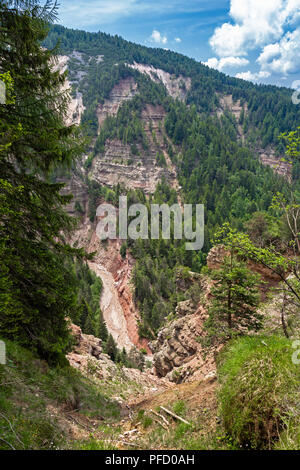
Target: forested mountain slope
(102,57)
(153,115)
(164,327)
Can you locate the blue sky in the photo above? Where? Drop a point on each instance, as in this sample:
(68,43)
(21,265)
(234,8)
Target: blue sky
(258,40)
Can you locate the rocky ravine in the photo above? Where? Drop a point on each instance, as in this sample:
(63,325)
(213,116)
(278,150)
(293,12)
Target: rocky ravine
(178,353)
(116,301)
(117,165)
(111,307)
(88,357)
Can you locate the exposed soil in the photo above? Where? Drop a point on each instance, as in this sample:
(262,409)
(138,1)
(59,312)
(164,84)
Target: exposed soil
(200,401)
(112,310)
(195,394)
(116,302)
(124,90)
(177,87)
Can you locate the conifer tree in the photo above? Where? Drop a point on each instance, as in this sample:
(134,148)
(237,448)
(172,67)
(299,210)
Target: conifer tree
(102,330)
(111,348)
(235,298)
(38,293)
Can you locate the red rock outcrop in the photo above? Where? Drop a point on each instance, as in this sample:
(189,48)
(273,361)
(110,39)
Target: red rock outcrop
(108,259)
(217,254)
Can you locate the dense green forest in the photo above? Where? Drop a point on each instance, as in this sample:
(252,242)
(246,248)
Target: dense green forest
(270,108)
(214,166)
(38,292)
(46,282)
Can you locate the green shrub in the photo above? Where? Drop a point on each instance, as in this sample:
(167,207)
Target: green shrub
(179,408)
(146,421)
(259,389)
(123,250)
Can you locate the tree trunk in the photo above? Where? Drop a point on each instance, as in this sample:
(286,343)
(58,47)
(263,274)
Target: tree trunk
(284,325)
(229,316)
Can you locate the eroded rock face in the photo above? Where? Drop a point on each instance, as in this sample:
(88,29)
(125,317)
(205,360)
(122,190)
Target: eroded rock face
(177,87)
(137,170)
(234,107)
(123,91)
(118,307)
(178,354)
(86,344)
(75,107)
(88,357)
(185,308)
(278,164)
(119,165)
(216,256)
(176,344)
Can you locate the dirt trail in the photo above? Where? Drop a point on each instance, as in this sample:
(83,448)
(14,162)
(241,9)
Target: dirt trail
(110,305)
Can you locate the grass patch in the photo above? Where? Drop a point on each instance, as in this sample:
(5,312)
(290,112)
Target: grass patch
(259,390)
(93,444)
(201,434)
(34,396)
(146,421)
(179,408)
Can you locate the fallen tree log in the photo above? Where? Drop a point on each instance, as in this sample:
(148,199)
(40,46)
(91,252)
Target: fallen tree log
(174,415)
(161,417)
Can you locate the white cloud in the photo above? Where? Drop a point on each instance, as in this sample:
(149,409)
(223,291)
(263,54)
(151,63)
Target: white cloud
(177,40)
(226,63)
(253,77)
(283,56)
(262,25)
(158,38)
(256,23)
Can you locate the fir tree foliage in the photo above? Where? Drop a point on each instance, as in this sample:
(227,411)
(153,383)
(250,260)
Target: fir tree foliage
(235,298)
(37,292)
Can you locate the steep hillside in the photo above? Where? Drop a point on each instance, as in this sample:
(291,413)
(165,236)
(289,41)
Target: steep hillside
(44,408)
(154,115)
(140,342)
(95,55)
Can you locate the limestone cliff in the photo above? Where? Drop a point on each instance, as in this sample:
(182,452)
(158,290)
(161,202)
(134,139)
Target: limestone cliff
(88,357)
(178,353)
